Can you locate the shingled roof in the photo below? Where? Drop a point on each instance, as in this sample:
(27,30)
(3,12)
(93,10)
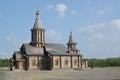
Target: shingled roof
(37,24)
(55,46)
(71,39)
(32,50)
(57,49)
(51,48)
(19,56)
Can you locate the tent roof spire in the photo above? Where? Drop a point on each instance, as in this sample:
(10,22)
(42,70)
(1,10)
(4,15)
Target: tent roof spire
(38,23)
(71,39)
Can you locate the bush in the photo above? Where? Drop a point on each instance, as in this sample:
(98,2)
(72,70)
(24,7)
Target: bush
(76,68)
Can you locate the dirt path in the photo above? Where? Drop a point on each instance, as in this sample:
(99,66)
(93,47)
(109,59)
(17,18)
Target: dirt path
(63,74)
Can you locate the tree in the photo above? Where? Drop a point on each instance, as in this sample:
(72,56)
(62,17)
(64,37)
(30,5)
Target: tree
(104,62)
(0,62)
(4,62)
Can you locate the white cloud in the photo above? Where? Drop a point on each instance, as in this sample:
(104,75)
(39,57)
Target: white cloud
(105,11)
(3,53)
(61,9)
(50,6)
(53,36)
(14,41)
(74,12)
(100,40)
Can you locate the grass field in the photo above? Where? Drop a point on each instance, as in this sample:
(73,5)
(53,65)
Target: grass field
(63,74)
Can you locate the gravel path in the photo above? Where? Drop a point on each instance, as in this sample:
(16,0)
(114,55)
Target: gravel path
(63,74)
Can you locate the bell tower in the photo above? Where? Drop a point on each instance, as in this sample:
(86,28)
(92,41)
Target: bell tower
(72,44)
(38,32)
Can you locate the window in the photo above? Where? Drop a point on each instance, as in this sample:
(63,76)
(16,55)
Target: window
(66,62)
(75,62)
(33,62)
(57,62)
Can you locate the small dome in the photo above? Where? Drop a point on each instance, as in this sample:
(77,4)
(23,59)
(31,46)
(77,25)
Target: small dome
(38,12)
(38,23)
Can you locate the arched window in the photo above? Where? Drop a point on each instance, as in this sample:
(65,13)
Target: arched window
(57,62)
(66,62)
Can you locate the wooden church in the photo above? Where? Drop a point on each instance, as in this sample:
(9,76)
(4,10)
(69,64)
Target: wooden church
(46,56)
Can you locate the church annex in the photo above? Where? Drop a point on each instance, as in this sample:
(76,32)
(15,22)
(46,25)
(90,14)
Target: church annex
(46,56)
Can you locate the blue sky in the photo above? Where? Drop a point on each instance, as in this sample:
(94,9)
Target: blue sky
(94,23)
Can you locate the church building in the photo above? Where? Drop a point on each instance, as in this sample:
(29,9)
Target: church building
(38,54)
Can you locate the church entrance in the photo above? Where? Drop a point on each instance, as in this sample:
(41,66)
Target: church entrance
(46,63)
